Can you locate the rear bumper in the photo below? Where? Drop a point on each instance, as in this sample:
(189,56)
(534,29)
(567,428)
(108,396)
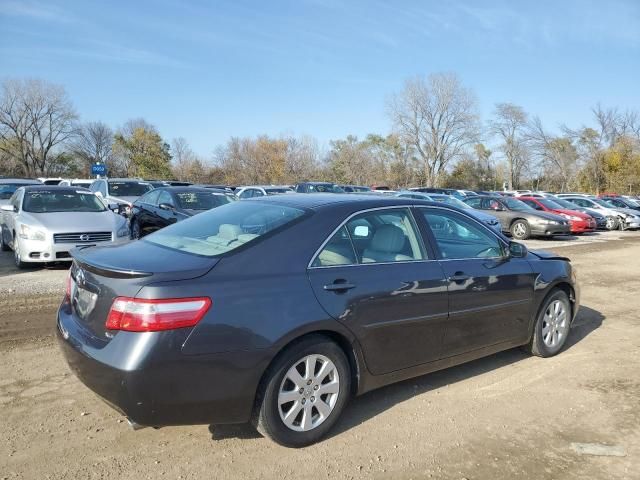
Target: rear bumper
(146,377)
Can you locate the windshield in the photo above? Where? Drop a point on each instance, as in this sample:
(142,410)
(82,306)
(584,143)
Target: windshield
(45,201)
(129,189)
(565,204)
(452,201)
(8,189)
(223,229)
(201,200)
(550,204)
(325,188)
(516,205)
(603,203)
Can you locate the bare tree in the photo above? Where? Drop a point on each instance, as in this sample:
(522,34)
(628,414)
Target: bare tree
(183,158)
(558,155)
(438,117)
(94,144)
(509,124)
(36,118)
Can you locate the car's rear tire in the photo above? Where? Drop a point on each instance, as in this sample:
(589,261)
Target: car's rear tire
(552,326)
(291,409)
(520,230)
(136,232)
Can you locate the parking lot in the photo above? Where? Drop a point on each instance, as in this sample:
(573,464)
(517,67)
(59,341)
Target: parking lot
(506,416)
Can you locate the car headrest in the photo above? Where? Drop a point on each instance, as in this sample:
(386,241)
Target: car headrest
(388,238)
(228,231)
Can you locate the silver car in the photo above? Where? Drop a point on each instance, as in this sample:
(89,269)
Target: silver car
(43,223)
(8,187)
(121,191)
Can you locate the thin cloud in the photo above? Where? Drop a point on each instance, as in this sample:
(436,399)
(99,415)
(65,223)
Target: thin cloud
(35,11)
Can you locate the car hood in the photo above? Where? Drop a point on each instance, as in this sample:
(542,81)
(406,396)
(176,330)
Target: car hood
(546,255)
(544,215)
(575,213)
(58,222)
(629,211)
(128,200)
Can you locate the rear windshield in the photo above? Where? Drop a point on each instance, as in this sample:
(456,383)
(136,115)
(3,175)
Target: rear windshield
(8,189)
(201,200)
(45,201)
(325,188)
(129,189)
(223,229)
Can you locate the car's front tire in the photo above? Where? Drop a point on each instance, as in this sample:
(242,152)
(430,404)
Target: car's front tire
(612,223)
(17,257)
(552,326)
(303,393)
(520,230)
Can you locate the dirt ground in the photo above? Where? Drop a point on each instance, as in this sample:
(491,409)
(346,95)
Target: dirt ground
(506,416)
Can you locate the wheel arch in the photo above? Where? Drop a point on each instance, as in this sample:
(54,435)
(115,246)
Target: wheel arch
(348,347)
(561,285)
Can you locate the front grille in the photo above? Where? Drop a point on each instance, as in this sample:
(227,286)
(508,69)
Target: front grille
(89,237)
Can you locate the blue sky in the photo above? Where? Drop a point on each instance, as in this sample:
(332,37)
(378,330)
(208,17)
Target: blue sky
(209,70)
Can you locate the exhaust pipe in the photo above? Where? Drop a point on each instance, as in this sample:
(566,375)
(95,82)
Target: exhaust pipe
(135,426)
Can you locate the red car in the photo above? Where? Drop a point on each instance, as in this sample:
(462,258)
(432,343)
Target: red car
(579,222)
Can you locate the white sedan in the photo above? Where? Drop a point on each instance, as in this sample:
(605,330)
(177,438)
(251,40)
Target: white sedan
(43,223)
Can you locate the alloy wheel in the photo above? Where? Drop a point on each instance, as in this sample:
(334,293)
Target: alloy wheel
(519,230)
(611,223)
(555,324)
(308,393)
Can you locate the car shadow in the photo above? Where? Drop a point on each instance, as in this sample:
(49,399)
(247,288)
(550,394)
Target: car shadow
(8,268)
(362,408)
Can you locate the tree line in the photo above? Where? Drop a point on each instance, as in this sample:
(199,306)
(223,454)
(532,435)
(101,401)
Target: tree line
(436,138)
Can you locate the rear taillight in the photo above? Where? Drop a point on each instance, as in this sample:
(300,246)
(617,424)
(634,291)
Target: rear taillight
(142,315)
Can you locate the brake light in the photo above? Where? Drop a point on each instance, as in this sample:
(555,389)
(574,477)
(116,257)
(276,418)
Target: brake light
(143,315)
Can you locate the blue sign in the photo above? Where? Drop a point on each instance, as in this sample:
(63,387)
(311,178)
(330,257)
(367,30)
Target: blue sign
(98,169)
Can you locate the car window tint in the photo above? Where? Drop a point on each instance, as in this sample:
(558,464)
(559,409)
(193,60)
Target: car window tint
(458,237)
(337,251)
(385,236)
(474,202)
(247,193)
(165,197)
(151,198)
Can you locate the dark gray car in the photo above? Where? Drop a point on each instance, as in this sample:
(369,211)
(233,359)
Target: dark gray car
(519,219)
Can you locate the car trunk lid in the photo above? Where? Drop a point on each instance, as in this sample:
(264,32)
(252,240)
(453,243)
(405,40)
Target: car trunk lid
(100,274)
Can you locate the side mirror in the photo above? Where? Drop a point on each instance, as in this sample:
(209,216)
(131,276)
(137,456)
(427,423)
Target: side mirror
(8,208)
(517,250)
(98,194)
(114,207)
(166,206)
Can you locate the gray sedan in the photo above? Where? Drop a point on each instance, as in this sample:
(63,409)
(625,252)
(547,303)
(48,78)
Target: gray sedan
(43,223)
(519,219)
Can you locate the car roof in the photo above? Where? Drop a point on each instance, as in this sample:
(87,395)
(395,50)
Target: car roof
(190,189)
(20,181)
(54,188)
(316,201)
(123,180)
